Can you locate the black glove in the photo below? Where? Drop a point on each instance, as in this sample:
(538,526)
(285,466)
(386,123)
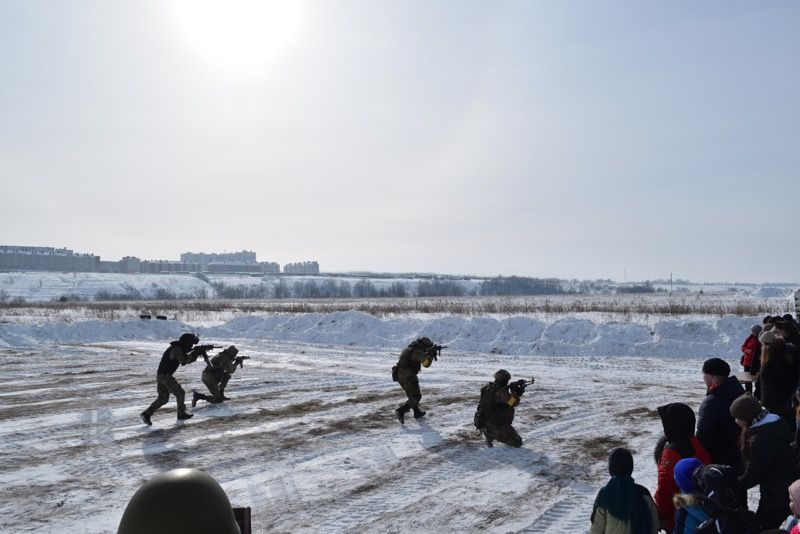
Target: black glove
(518,387)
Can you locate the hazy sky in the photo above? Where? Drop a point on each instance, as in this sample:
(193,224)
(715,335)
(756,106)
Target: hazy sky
(556,138)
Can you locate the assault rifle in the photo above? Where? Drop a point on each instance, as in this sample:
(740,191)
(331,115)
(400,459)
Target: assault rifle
(238,361)
(202,350)
(519,386)
(436,351)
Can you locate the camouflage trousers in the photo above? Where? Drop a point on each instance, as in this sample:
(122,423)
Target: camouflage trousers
(215,386)
(166,384)
(410,384)
(503,433)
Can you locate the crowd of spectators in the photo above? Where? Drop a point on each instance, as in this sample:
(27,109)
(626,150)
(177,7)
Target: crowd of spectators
(706,463)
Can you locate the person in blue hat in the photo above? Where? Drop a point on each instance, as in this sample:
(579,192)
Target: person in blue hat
(689,513)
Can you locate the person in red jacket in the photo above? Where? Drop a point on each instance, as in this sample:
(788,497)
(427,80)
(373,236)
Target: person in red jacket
(678,442)
(751,351)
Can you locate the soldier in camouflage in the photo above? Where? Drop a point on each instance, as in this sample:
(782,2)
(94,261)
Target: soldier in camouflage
(420,353)
(216,375)
(179,352)
(503,399)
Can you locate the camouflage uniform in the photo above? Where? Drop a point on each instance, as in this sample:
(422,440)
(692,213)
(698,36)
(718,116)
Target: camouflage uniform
(216,377)
(412,359)
(178,353)
(498,425)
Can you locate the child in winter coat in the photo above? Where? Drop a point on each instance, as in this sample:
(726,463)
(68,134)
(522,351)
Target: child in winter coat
(622,506)
(720,495)
(680,442)
(791,524)
(689,513)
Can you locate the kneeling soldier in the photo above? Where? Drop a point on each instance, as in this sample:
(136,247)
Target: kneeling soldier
(496,409)
(216,375)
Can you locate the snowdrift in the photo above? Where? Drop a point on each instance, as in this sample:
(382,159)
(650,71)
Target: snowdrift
(517,335)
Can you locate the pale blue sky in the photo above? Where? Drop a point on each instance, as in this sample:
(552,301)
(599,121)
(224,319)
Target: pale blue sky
(566,139)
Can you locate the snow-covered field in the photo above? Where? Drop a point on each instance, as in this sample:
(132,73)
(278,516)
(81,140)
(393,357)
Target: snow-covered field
(309,440)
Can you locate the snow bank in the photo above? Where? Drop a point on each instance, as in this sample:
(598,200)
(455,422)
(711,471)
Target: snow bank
(519,335)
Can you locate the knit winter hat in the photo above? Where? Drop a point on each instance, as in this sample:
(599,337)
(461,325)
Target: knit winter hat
(717,367)
(794,493)
(746,407)
(767,337)
(756,329)
(620,462)
(684,470)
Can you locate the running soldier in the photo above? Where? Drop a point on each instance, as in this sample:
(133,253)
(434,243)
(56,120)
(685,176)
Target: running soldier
(216,375)
(419,353)
(179,352)
(496,409)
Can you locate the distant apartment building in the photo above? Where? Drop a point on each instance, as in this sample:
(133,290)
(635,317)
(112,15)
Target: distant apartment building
(204,258)
(130,264)
(165,266)
(305,267)
(17,258)
(263,267)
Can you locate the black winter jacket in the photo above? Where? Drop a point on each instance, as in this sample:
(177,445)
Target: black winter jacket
(716,429)
(770,464)
(778,381)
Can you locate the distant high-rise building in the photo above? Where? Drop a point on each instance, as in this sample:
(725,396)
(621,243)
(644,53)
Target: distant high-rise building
(204,258)
(46,259)
(305,267)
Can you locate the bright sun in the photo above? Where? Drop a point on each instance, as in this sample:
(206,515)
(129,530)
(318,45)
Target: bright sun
(239,35)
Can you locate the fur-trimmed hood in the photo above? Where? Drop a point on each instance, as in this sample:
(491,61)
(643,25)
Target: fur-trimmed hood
(686,500)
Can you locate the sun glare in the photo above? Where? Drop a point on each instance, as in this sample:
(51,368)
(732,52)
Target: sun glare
(239,35)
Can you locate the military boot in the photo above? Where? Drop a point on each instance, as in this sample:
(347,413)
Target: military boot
(401,414)
(418,413)
(183,416)
(146,418)
(222,395)
(195,396)
(489,441)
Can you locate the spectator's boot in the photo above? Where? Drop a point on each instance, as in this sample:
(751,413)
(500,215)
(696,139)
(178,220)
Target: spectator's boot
(146,418)
(401,414)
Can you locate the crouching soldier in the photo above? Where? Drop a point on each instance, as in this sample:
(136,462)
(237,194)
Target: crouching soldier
(419,353)
(496,409)
(216,375)
(179,352)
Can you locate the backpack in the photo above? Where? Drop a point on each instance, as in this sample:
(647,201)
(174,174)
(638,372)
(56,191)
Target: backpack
(485,406)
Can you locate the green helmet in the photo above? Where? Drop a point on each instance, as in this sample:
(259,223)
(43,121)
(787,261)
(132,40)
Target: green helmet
(181,501)
(422,342)
(502,377)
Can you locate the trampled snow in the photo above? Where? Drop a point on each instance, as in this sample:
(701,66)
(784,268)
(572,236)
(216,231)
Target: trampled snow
(308,439)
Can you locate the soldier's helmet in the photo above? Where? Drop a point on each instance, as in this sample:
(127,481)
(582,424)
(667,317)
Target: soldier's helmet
(232,350)
(181,501)
(188,340)
(422,342)
(502,377)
